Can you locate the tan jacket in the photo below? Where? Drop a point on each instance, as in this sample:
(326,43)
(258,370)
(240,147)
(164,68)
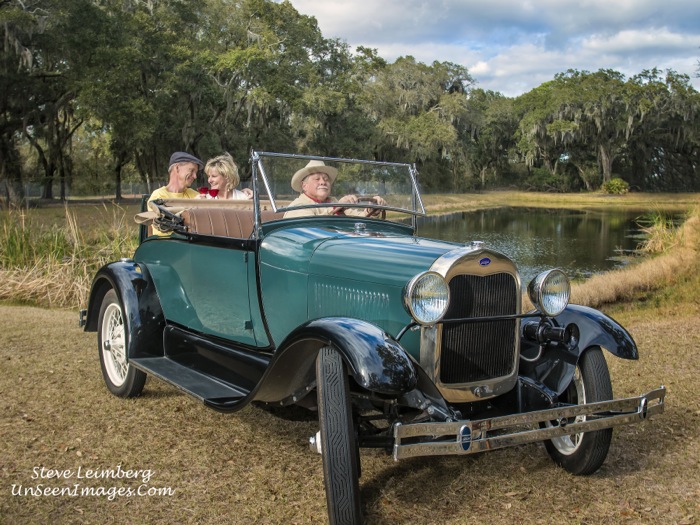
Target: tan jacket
(304,199)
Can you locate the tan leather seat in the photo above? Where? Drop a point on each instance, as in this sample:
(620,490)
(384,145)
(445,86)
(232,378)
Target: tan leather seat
(224,222)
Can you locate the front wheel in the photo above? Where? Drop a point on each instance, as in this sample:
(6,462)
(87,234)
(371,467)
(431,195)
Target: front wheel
(338,445)
(122,379)
(584,453)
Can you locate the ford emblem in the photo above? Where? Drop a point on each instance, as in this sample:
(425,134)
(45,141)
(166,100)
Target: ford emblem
(485,261)
(465,437)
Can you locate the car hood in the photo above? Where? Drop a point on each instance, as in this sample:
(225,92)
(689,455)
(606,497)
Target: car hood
(370,256)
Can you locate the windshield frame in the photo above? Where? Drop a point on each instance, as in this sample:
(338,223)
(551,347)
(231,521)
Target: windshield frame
(259,175)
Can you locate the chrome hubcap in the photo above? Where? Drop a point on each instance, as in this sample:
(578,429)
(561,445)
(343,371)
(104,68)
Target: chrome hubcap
(576,393)
(114,345)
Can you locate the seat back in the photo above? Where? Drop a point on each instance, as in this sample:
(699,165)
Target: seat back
(224,222)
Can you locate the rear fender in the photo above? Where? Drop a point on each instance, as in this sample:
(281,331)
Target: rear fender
(555,368)
(375,360)
(143,314)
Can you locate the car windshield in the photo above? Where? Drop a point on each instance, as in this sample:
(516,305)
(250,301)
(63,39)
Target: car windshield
(395,183)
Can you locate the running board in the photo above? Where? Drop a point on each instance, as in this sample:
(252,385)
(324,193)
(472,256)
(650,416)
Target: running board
(211,391)
(471,437)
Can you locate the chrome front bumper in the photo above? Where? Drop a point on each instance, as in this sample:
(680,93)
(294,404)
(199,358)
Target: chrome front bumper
(470,437)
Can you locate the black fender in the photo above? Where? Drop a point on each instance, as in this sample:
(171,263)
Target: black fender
(143,314)
(376,361)
(555,368)
(598,329)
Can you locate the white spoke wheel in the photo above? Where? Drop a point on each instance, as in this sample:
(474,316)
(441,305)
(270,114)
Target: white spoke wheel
(122,379)
(338,443)
(584,453)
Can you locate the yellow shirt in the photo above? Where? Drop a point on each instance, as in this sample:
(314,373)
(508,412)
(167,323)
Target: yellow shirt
(163,193)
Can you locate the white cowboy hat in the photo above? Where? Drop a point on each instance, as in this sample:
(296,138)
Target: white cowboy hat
(314,166)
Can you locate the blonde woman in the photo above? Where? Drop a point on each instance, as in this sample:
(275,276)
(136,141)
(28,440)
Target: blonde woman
(222,176)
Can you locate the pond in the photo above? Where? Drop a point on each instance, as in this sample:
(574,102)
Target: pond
(580,242)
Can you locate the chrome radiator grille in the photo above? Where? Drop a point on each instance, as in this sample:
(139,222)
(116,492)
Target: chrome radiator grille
(473,352)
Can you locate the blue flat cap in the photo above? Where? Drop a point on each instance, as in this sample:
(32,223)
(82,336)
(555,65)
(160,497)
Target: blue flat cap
(181,156)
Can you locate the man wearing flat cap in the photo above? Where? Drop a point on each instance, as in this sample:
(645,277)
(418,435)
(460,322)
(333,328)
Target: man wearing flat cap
(314,183)
(182,171)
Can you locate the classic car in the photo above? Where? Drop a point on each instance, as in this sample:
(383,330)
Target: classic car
(416,346)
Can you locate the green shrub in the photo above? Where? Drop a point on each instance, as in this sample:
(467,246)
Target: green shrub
(616,186)
(542,179)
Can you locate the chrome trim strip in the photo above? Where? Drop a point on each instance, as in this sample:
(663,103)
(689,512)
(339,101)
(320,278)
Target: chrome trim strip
(332,159)
(255,164)
(258,166)
(471,437)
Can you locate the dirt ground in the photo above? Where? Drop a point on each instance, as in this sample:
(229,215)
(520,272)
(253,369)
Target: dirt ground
(70,452)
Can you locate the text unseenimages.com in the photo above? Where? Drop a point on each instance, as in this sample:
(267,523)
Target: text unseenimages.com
(82,475)
(76,490)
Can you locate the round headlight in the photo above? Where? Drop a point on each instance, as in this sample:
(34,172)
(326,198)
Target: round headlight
(426,297)
(549,292)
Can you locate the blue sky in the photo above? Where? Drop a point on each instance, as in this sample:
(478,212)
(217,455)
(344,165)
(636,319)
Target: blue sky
(513,46)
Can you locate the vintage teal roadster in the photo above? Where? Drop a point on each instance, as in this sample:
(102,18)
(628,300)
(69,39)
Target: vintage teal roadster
(412,345)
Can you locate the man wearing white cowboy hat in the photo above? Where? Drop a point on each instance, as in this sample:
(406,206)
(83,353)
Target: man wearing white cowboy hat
(315,181)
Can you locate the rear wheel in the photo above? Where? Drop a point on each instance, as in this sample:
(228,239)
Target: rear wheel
(338,444)
(584,453)
(122,379)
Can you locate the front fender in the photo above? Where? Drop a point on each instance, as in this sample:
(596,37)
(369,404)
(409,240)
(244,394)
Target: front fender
(555,368)
(375,360)
(142,310)
(598,329)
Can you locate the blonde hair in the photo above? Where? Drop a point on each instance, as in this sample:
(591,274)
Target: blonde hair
(227,168)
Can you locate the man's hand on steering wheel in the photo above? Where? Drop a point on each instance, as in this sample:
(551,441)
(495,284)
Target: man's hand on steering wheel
(350,199)
(369,212)
(375,212)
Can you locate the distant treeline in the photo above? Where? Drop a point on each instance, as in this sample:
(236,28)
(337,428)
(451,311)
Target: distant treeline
(94,93)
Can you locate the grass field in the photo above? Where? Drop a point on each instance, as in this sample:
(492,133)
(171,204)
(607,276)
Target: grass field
(254,467)
(196,466)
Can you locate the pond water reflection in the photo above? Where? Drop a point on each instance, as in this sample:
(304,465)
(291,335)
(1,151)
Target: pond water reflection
(580,242)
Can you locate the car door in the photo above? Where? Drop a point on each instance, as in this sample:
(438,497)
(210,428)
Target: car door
(207,287)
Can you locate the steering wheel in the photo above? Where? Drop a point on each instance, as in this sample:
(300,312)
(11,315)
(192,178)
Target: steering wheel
(374,212)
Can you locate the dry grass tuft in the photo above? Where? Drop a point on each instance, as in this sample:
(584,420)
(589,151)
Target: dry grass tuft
(680,256)
(53,266)
(49,283)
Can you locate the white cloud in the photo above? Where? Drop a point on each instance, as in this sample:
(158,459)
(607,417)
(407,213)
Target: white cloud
(512,46)
(660,41)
